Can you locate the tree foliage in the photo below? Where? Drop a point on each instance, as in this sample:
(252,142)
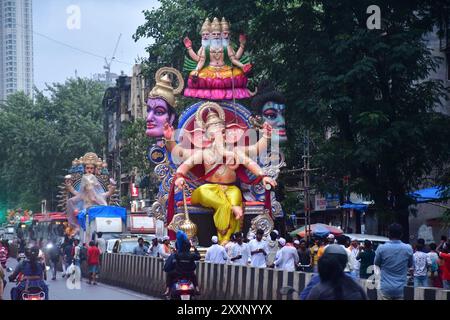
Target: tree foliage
(41,137)
(134,152)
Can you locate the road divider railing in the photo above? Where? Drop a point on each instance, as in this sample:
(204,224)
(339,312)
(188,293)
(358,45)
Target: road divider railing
(229,282)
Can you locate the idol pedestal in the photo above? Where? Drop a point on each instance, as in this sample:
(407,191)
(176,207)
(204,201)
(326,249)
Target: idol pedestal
(203,218)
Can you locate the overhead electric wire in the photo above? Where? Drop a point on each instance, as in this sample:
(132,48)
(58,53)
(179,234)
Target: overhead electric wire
(73,47)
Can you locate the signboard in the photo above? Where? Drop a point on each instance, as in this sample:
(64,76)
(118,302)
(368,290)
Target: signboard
(134,190)
(142,224)
(108,225)
(333,201)
(320,203)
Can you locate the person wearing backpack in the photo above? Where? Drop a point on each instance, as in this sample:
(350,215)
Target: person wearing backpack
(83,253)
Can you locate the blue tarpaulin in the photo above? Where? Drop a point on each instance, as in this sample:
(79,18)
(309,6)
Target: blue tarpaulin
(427,195)
(102,212)
(355,206)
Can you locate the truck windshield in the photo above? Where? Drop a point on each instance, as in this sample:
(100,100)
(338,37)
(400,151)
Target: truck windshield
(128,246)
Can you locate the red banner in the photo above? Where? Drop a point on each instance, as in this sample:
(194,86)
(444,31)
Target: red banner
(134,190)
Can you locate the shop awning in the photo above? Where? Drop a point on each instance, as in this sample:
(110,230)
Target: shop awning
(433,194)
(355,206)
(318,230)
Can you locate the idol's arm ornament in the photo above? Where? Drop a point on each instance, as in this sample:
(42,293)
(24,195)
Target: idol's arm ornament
(187,165)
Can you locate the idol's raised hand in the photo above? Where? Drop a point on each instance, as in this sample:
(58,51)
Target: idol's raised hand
(168,131)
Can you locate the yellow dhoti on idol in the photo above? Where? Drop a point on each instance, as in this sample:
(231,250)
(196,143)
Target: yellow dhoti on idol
(221,198)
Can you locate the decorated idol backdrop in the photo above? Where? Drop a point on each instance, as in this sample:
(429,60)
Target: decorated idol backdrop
(88,184)
(219,165)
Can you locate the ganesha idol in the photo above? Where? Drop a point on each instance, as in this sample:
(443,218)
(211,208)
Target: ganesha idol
(161,102)
(220,163)
(216,71)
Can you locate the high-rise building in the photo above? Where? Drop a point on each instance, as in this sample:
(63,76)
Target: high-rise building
(16,47)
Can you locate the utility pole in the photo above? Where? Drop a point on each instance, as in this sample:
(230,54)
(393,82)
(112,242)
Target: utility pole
(306,184)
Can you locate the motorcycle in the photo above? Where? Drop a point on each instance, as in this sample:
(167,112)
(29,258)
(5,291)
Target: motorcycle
(33,293)
(29,293)
(182,289)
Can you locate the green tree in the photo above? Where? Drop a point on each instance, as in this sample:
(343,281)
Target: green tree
(40,138)
(134,152)
(372,92)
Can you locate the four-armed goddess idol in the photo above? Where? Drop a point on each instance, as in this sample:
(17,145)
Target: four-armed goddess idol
(90,192)
(222,167)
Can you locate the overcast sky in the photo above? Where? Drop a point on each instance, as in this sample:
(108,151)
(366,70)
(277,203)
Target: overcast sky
(100,23)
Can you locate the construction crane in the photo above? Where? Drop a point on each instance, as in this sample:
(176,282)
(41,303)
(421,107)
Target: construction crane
(107,65)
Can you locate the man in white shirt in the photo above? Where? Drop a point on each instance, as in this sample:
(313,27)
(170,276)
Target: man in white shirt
(101,243)
(287,257)
(258,250)
(230,244)
(166,250)
(240,252)
(155,249)
(216,253)
(342,240)
(273,249)
(330,240)
(354,249)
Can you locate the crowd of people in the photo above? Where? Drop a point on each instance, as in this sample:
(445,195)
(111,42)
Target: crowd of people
(72,254)
(160,248)
(335,261)
(392,265)
(34,256)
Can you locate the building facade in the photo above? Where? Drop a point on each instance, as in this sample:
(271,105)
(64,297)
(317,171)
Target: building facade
(16,47)
(124,103)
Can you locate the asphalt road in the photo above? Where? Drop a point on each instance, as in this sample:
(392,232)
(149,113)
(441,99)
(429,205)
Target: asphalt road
(59,289)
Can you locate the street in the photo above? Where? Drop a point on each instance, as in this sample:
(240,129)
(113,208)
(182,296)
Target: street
(58,290)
